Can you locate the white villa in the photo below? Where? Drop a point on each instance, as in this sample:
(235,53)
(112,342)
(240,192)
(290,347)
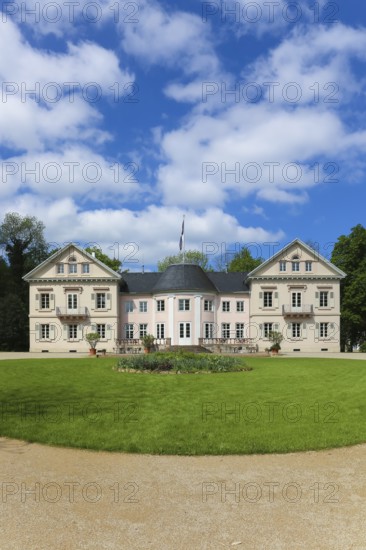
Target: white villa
(295,292)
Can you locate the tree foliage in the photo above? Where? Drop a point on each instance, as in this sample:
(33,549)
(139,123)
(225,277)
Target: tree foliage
(191,257)
(112,263)
(349,254)
(243,261)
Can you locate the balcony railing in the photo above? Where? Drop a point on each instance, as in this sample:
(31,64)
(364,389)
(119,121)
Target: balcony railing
(229,345)
(135,345)
(300,311)
(77,313)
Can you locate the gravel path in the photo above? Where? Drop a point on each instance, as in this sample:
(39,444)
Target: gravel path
(66,499)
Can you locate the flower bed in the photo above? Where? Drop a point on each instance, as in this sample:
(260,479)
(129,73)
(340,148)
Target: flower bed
(181,362)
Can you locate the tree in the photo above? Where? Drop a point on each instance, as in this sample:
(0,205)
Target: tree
(112,263)
(349,254)
(24,244)
(243,261)
(191,257)
(14,324)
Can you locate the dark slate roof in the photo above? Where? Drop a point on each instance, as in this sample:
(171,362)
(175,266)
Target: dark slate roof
(184,277)
(140,283)
(181,277)
(229,282)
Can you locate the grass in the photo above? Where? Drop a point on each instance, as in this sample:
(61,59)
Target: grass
(282,405)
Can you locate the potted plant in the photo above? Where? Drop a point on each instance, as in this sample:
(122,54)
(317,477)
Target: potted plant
(276,339)
(148,342)
(92,338)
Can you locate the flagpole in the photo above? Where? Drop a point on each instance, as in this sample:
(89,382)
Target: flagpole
(184,241)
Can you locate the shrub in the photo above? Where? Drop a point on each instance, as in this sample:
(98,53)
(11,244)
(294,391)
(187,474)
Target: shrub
(363,347)
(182,362)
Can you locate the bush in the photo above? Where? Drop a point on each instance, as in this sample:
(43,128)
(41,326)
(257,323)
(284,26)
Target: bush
(182,362)
(363,347)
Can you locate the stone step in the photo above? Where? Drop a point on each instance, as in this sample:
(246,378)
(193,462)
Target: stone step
(191,349)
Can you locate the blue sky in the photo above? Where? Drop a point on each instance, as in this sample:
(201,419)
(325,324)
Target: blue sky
(246,117)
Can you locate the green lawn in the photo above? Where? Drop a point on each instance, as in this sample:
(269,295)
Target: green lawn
(281,405)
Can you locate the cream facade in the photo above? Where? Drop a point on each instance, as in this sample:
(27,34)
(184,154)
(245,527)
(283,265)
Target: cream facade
(295,292)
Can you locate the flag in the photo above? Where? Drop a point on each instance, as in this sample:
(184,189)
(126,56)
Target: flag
(181,240)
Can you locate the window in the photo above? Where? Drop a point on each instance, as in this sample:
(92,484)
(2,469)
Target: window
(240,306)
(323,298)
(183,305)
(86,268)
(296,299)
(129,330)
(73,332)
(45,332)
(308,266)
(209,330)
(295,266)
(160,329)
(268,299)
(60,268)
(72,301)
(142,330)
(282,265)
(128,308)
(73,268)
(225,306)
(239,330)
(295,330)
(208,305)
(160,306)
(143,307)
(184,330)
(45,301)
(101,330)
(324,330)
(225,330)
(267,328)
(101,300)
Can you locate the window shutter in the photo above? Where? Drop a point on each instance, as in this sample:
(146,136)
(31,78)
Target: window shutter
(261,331)
(276,299)
(289,330)
(37,301)
(52,332)
(276,327)
(108,332)
(316,295)
(109,297)
(80,332)
(260,300)
(316,330)
(93,327)
(38,332)
(52,301)
(331,294)
(93,301)
(304,331)
(65,332)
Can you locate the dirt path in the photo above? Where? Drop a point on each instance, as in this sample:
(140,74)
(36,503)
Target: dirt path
(64,499)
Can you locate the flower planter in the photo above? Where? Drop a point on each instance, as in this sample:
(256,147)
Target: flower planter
(92,351)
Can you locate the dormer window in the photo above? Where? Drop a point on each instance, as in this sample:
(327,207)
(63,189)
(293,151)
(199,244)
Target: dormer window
(282,265)
(73,266)
(295,263)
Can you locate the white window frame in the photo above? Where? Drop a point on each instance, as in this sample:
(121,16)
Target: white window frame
(101,300)
(160,305)
(208,329)
(296,266)
(308,266)
(72,332)
(323,330)
(46,297)
(208,305)
(101,330)
(226,306)
(295,330)
(225,330)
(267,328)
(239,330)
(183,303)
(240,306)
(160,330)
(129,331)
(60,268)
(283,266)
(85,268)
(323,298)
(142,330)
(129,306)
(143,306)
(73,268)
(267,298)
(45,331)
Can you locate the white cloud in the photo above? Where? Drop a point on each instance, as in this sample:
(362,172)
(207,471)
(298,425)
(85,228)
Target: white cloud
(145,236)
(66,90)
